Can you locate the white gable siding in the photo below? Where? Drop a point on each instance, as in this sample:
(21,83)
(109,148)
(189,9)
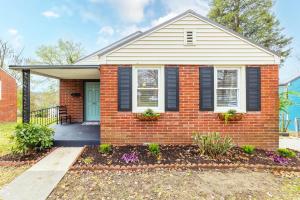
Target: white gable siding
(166,46)
(90,60)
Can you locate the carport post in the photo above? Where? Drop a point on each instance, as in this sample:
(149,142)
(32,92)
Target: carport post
(26,96)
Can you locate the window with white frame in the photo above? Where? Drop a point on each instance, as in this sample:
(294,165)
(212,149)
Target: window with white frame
(147,89)
(227,89)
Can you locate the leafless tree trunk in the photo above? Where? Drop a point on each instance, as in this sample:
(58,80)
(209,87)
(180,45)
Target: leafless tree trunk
(13,57)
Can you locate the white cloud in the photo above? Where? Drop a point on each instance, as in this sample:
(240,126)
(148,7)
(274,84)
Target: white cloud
(50,14)
(13,31)
(178,6)
(175,7)
(107,30)
(129,10)
(15,38)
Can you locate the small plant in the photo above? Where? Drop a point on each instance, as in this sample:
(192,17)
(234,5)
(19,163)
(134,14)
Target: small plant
(286,153)
(130,157)
(105,148)
(230,115)
(212,144)
(88,160)
(154,149)
(280,160)
(32,137)
(148,115)
(249,149)
(276,158)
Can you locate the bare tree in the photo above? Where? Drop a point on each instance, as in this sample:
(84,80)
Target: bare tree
(5,52)
(10,56)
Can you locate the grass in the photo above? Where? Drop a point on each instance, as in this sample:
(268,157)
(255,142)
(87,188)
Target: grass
(6,130)
(9,173)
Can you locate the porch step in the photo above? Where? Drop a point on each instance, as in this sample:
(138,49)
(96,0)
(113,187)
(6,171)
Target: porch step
(75,143)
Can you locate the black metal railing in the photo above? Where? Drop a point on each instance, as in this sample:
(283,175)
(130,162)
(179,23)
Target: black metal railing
(45,116)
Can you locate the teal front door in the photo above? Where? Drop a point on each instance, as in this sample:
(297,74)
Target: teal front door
(92,101)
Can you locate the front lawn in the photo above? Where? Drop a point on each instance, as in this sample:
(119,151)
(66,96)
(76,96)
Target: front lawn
(6,130)
(9,173)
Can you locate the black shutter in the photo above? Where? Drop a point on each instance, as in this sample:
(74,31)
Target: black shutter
(206,77)
(171,89)
(124,89)
(253,92)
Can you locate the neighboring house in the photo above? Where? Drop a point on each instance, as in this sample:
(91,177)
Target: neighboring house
(8,97)
(293,113)
(188,69)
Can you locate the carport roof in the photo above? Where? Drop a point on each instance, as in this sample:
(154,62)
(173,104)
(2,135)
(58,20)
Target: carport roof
(62,71)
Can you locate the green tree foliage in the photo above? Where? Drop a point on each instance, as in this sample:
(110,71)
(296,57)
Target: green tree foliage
(64,52)
(255,20)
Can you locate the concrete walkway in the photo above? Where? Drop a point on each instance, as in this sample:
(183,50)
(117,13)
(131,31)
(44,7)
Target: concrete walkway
(39,180)
(290,142)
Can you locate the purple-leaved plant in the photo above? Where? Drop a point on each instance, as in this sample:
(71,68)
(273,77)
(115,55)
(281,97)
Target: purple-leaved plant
(276,158)
(280,160)
(130,157)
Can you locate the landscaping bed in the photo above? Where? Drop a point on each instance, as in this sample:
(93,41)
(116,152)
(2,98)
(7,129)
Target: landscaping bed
(29,158)
(181,155)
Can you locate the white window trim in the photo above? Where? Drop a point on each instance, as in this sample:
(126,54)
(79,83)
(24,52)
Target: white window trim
(161,89)
(241,108)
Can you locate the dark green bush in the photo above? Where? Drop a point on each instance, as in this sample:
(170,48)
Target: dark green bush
(286,153)
(154,148)
(32,137)
(212,144)
(105,148)
(249,149)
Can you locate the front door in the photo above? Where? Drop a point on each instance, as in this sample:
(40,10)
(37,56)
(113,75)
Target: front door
(92,101)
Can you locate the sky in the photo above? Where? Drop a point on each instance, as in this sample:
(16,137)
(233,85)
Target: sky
(97,23)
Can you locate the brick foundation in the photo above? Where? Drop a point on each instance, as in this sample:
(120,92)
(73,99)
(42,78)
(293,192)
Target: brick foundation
(257,128)
(8,101)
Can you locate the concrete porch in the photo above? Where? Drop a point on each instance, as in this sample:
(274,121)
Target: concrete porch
(76,134)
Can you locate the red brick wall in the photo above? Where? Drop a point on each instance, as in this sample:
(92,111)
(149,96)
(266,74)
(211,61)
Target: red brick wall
(74,104)
(257,128)
(8,102)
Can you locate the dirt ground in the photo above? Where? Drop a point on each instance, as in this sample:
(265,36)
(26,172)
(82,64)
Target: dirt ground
(178,184)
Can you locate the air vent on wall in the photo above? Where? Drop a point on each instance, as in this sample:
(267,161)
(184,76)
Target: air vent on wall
(189,37)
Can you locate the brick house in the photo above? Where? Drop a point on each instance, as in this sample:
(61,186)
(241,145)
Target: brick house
(189,69)
(8,97)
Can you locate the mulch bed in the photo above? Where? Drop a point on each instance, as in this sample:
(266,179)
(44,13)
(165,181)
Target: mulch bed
(178,154)
(19,159)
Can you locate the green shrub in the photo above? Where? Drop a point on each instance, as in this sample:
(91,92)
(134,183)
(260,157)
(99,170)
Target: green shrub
(105,148)
(286,153)
(88,160)
(154,148)
(212,144)
(32,137)
(249,149)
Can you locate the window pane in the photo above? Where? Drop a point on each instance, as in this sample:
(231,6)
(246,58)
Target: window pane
(227,97)
(147,78)
(227,79)
(147,98)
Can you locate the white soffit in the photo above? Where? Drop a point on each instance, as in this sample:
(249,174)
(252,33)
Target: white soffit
(68,73)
